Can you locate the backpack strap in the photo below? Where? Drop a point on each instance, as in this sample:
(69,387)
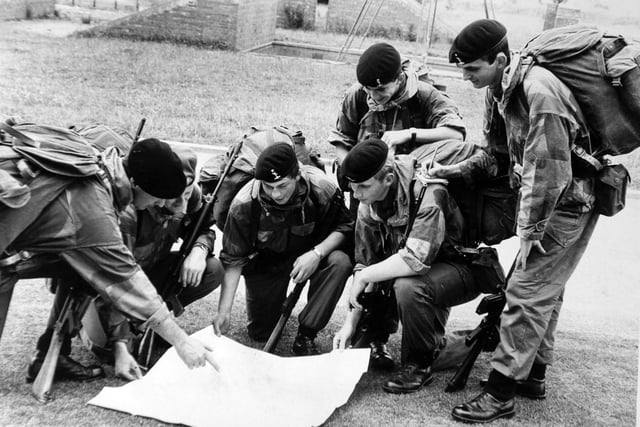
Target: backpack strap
(255,222)
(19,135)
(413,209)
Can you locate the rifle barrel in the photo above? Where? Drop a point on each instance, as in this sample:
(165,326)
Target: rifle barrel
(139,131)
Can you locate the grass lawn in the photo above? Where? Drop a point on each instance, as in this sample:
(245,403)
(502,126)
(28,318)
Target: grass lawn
(212,97)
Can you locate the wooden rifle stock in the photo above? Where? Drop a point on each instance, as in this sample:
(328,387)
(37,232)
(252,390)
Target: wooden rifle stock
(287,307)
(69,319)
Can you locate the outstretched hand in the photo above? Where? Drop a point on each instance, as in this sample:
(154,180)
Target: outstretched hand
(196,354)
(342,339)
(125,365)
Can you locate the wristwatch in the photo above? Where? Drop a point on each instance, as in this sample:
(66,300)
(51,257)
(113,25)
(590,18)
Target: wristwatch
(316,251)
(413,135)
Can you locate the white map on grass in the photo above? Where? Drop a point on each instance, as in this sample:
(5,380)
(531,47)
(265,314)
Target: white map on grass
(253,388)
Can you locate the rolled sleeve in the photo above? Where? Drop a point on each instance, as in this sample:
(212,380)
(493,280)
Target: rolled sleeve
(157,318)
(113,273)
(443,112)
(237,245)
(413,260)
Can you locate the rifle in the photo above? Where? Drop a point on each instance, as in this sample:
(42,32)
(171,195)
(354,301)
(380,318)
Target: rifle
(375,304)
(485,336)
(287,307)
(168,291)
(69,321)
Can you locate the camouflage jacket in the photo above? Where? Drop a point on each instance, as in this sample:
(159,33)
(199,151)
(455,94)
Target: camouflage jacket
(76,219)
(422,107)
(543,122)
(281,234)
(438,223)
(151,233)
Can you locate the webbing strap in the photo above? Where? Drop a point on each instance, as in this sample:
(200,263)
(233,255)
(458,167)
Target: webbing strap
(15,258)
(18,135)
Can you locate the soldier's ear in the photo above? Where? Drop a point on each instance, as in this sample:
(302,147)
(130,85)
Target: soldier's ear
(501,60)
(388,178)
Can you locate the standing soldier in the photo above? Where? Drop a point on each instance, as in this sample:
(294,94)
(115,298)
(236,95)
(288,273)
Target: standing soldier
(555,221)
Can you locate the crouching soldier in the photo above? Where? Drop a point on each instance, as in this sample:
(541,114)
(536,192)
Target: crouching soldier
(286,225)
(74,222)
(406,244)
(180,280)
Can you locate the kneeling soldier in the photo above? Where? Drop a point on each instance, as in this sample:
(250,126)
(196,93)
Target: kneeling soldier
(287,224)
(405,243)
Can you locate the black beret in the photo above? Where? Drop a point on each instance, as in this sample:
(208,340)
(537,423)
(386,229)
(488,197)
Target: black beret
(189,160)
(365,160)
(156,169)
(476,40)
(276,162)
(379,64)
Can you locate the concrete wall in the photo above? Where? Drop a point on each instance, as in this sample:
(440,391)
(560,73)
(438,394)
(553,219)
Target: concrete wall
(22,9)
(232,24)
(399,18)
(256,23)
(306,7)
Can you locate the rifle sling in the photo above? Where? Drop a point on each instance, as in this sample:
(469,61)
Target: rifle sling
(413,211)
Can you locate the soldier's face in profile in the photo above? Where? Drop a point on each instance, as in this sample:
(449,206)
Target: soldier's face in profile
(280,191)
(482,73)
(382,94)
(371,190)
(179,204)
(143,200)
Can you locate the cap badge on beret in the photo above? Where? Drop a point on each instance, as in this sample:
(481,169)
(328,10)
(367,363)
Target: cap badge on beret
(276,175)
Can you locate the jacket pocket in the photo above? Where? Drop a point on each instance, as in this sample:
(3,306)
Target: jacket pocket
(564,227)
(303,230)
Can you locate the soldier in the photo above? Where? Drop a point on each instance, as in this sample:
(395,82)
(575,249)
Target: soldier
(406,247)
(150,235)
(555,220)
(74,222)
(287,224)
(390,102)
